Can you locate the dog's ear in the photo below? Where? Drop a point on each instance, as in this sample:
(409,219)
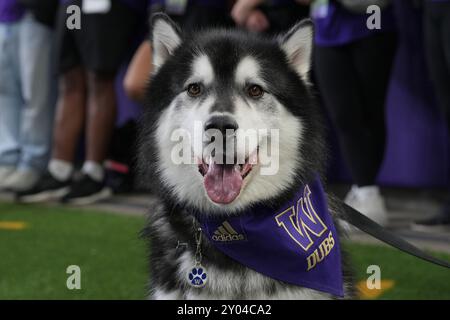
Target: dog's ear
(165,37)
(297,43)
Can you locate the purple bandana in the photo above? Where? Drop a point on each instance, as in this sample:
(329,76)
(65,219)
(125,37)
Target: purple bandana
(297,244)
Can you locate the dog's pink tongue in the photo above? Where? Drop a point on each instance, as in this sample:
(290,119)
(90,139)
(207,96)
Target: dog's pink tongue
(222,183)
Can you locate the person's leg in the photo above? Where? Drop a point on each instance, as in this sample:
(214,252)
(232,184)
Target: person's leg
(68,126)
(340,89)
(102,55)
(100,122)
(437,46)
(446,43)
(38,91)
(101,116)
(373,58)
(445,38)
(10,100)
(69,120)
(70,114)
(72,97)
(342,93)
(437,49)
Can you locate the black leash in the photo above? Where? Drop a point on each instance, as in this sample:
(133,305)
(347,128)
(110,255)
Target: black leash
(375,230)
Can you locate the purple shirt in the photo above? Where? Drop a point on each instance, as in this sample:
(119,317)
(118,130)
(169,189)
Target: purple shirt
(10,11)
(340,27)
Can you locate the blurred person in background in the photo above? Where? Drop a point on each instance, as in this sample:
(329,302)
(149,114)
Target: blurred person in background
(89,59)
(254,15)
(190,15)
(27,91)
(271,17)
(352,69)
(437,46)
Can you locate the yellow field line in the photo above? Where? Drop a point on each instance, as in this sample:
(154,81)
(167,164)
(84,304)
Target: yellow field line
(12,225)
(366,293)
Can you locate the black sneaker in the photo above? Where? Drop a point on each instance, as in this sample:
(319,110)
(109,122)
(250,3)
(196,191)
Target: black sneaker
(46,189)
(439,222)
(86,191)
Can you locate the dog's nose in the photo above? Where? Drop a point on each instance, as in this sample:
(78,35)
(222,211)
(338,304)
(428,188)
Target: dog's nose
(221,123)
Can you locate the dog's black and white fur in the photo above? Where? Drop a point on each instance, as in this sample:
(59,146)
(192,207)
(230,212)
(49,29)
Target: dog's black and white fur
(224,63)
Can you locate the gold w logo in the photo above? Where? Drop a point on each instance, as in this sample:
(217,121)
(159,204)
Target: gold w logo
(301,222)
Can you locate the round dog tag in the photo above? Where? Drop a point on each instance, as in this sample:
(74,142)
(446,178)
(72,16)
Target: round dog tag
(197,277)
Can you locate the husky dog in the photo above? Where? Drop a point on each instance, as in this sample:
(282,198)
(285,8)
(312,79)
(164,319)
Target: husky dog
(225,80)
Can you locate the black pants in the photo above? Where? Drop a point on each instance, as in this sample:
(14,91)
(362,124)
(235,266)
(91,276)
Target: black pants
(437,42)
(353,80)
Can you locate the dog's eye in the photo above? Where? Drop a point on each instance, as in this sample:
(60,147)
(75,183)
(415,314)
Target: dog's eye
(255,91)
(194,90)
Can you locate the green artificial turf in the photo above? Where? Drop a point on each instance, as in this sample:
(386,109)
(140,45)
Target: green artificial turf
(113,262)
(106,247)
(414,278)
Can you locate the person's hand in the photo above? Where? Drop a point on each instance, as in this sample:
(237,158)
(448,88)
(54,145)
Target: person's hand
(242,10)
(257,21)
(138,73)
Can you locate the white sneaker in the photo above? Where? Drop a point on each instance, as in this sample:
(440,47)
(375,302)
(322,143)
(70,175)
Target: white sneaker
(5,172)
(369,201)
(21,180)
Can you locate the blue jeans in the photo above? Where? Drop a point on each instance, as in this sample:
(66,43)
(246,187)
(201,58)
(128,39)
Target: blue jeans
(27,93)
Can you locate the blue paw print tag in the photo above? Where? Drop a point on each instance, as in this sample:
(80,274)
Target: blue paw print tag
(197,277)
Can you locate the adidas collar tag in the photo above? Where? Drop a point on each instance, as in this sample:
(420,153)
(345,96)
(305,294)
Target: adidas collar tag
(197,276)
